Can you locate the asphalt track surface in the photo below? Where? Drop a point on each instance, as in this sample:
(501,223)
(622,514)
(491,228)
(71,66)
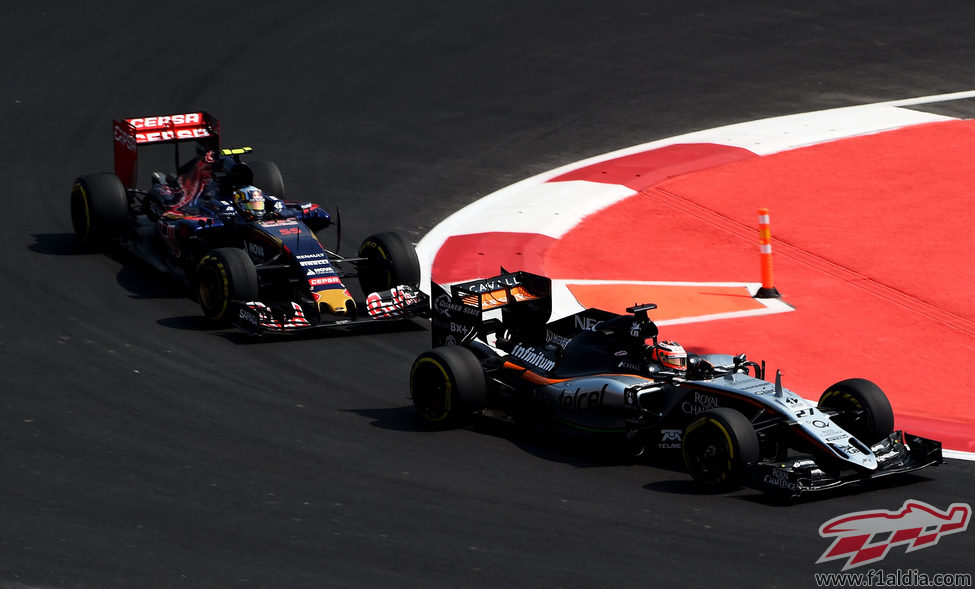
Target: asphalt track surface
(140,447)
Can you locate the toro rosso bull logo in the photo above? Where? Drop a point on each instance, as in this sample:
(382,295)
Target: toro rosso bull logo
(916,524)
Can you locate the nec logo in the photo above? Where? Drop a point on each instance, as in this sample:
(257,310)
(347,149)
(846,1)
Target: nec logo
(866,536)
(585,323)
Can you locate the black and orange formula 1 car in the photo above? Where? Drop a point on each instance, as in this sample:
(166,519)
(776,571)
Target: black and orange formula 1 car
(610,375)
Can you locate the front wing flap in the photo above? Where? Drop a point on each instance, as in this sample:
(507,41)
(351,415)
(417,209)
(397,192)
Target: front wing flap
(898,453)
(257,318)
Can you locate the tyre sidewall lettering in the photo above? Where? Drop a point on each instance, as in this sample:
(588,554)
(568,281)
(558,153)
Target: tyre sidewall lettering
(373,246)
(86,209)
(448,387)
(224,282)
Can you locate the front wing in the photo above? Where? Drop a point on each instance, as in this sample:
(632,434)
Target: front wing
(257,318)
(898,453)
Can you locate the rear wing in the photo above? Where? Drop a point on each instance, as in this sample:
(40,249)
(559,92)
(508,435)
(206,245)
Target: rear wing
(523,299)
(200,127)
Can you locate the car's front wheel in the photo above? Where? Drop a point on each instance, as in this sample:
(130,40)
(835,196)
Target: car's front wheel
(861,408)
(718,448)
(390,260)
(225,275)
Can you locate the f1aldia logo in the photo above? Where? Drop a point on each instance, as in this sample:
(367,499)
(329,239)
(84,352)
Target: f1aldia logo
(866,536)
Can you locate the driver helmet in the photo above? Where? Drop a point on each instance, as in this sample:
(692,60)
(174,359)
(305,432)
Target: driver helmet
(250,201)
(671,355)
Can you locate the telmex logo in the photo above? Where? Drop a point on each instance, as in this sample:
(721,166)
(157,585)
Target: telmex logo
(916,524)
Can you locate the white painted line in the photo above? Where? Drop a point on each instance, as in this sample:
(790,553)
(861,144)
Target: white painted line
(774,135)
(551,209)
(932,98)
(958,455)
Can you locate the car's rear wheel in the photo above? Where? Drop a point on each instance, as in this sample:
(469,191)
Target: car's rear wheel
(225,275)
(447,385)
(718,448)
(390,260)
(99,209)
(861,408)
(268,178)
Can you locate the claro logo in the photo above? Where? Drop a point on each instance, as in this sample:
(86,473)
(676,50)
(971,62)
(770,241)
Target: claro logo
(864,537)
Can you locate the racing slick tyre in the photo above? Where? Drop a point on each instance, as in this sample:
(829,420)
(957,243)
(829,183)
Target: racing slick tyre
(718,448)
(225,275)
(99,209)
(268,178)
(447,385)
(861,408)
(390,260)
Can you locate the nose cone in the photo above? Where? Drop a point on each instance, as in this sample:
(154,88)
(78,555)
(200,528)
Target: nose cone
(855,452)
(336,301)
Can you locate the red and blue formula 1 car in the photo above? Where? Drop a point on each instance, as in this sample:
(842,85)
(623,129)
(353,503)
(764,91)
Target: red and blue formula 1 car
(222,226)
(608,375)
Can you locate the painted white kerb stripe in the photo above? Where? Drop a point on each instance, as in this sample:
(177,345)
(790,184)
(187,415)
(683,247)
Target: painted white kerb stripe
(958,455)
(551,208)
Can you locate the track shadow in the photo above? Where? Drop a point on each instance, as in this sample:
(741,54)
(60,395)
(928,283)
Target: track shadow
(587,452)
(684,486)
(135,276)
(402,419)
(556,445)
(56,244)
(771,499)
(190,323)
(144,282)
(236,336)
(322,332)
(553,445)
(852,489)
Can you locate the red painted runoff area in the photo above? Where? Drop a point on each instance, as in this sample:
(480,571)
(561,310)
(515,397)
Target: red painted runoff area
(872,244)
